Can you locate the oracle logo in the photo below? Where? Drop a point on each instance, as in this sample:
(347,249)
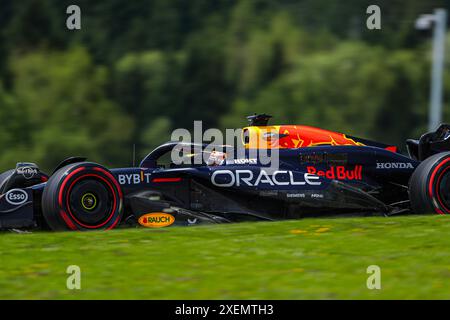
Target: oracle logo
(228,178)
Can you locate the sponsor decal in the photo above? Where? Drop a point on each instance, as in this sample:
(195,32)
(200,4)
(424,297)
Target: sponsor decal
(138,178)
(295,195)
(242,161)
(330,158)
(338,172)
(16,197)
(156,220)
(303,195)
(317,195)
(394,165)
(134,178)
(268,193)
(27,172)
(248,178)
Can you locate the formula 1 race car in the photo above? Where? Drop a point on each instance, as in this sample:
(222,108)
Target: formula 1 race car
(319,172)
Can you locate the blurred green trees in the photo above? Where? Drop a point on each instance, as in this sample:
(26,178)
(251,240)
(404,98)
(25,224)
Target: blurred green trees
(60,108)
(137,70)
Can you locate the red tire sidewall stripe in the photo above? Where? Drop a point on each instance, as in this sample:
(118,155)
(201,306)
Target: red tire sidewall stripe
(61,189)
(431,183)
(438,182)
(116,204)
(113,179)
(67,220)
(114,224)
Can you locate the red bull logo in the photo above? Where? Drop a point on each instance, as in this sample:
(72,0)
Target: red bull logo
(293,136)
(338,172)
(304,136)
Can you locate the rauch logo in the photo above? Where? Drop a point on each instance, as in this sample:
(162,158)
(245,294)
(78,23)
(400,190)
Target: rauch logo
(156,220)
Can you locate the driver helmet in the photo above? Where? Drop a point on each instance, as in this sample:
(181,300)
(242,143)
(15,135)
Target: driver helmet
(216,158)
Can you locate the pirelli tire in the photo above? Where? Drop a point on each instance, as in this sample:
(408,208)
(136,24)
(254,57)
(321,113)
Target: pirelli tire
(429,186)
(3,177)
(82,196)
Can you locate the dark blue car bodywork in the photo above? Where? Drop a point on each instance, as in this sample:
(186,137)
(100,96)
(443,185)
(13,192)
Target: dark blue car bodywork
(319,180)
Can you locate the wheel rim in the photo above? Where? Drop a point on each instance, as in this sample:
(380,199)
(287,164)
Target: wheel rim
(91,201)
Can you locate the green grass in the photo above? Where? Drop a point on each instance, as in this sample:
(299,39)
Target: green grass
(303,259)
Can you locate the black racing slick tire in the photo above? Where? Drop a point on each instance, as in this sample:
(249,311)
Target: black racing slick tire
(3,177)
(429,186)
(82,196)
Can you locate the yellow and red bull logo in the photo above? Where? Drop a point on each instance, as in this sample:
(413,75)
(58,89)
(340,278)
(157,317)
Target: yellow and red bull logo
(293,136)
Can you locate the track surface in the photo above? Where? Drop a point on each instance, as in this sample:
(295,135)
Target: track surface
(304,259)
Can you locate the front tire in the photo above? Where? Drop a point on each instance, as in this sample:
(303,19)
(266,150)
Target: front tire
(82,196)
(3,177)
(429,186)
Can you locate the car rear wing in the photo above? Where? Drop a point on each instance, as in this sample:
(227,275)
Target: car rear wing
(430,143)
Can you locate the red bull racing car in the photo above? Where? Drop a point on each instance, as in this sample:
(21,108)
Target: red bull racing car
(318,172)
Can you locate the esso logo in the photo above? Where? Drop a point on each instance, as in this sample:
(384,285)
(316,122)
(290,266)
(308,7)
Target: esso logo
(16,197)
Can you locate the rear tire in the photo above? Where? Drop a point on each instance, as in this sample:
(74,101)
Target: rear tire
(429,186)
(82,196)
